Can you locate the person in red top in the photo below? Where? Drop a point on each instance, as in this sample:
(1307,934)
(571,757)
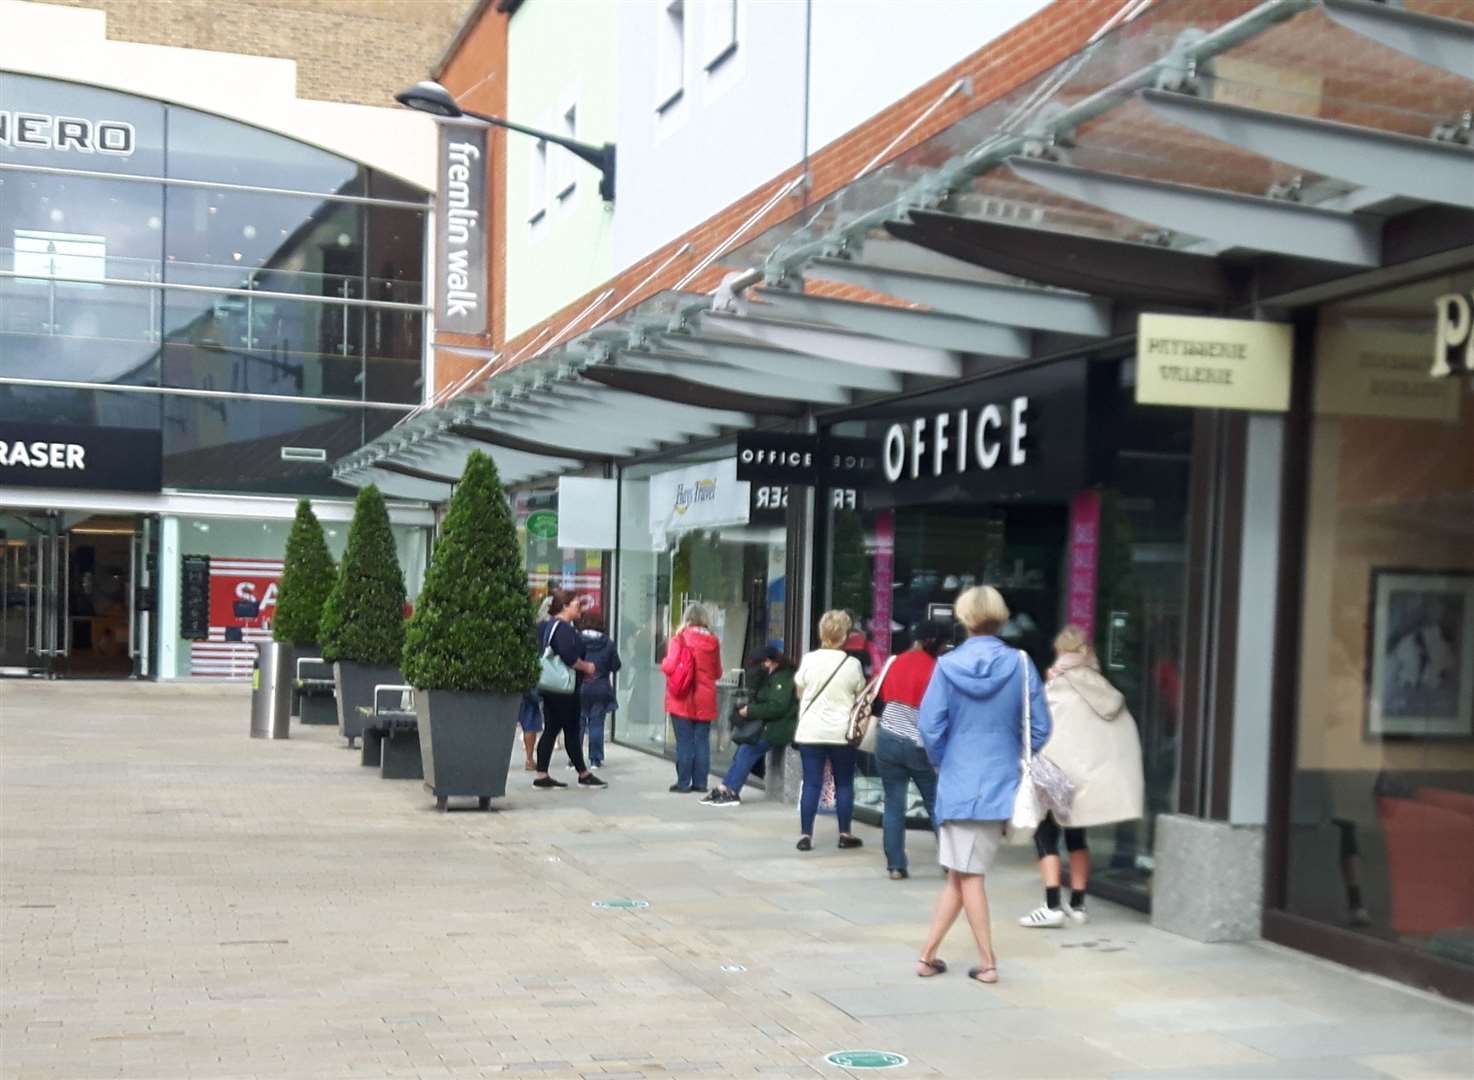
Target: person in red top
(899,755)
(694,656)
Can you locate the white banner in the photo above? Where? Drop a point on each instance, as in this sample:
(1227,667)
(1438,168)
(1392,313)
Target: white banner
(696,497)
(587,508)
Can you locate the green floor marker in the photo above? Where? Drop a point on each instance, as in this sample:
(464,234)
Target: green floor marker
(865,1059)
(621,905)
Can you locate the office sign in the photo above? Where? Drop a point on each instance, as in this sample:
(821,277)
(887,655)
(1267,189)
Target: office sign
(766,457)
(460,248)
(1453,343)
(73,456)
(1212,363)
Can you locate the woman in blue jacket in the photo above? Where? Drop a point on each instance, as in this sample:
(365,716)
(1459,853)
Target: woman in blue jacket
(972,725)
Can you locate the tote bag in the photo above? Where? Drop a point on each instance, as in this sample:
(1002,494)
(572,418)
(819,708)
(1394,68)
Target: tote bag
(554,676)
(1043,785)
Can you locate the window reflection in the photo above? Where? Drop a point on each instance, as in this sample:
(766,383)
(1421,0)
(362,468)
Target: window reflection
(205,147)
(101,111)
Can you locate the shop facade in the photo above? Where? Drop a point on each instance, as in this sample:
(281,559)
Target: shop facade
(197,315)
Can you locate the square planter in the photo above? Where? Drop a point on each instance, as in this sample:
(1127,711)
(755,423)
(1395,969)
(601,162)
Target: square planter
(466,742)
(355,691)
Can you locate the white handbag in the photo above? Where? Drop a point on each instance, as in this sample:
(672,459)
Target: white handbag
(1042,786)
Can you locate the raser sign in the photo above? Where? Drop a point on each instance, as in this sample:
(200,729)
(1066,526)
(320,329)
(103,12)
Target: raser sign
(71,456)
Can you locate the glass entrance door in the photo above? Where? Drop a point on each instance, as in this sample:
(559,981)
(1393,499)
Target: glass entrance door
(33,585)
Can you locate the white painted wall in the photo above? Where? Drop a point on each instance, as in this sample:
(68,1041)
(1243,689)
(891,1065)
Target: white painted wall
(71,44)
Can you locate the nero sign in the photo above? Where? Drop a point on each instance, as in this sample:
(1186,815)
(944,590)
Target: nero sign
(41,131)
(69,456)
(460,255)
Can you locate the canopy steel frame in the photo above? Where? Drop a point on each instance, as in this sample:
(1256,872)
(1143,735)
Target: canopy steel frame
(840,346)
(700,369)
(1430,39)
(934,329)
(1011,305)
(784,363)
(1230,219)
(1381,160)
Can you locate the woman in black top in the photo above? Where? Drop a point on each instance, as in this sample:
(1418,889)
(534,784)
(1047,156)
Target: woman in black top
(561,711)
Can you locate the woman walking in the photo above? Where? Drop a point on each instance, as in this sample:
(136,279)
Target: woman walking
(971,723)
(596,696)
(1096,744)
(692,666)
(900,757)
(560,711)
(770,678)
(830,680)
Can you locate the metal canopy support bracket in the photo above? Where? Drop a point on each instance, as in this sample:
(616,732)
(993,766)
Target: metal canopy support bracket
(1430,39)
(1011,305)
(1233,220)
(783,364)
(533,431)
(398,485)
(715,373)
(1383,161)
(838,345)
(934,329)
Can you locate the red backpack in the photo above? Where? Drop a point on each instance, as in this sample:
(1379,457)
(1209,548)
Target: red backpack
(682,678)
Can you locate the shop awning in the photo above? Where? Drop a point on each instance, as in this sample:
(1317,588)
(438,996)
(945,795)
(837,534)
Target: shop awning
(1181,161)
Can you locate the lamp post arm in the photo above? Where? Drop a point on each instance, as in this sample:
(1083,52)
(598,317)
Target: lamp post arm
(597,156)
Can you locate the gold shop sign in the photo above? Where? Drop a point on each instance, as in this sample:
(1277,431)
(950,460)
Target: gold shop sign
(1365,371)
(1212,363)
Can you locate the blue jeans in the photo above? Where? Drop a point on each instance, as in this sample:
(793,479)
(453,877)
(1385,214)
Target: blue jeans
(592,723)
(693,752)
(900,761)
(842,763)
(747,755)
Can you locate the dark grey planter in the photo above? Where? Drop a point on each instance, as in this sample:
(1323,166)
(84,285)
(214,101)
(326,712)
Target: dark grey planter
(289,654)
(466,742)
(355,691)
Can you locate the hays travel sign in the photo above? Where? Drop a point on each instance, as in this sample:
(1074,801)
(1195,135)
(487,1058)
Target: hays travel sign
(696,497)
(69,456)
(42,131)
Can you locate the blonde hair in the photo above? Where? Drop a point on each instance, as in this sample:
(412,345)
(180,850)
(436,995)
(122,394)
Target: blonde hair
(981,609)
(1071,640)
(695,615)
(834,627)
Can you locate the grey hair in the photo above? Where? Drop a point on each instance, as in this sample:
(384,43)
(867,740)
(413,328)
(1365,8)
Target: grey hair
(695,615)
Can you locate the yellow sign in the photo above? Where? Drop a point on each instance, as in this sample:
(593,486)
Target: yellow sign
(1212,363)
(1453,345)
(1366,372)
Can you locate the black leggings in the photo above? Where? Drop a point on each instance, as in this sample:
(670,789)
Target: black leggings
(1046,838)
(560,716)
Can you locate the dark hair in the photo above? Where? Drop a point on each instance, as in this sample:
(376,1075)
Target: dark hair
(592,620)
(931,635)
(561,599)
(770,652)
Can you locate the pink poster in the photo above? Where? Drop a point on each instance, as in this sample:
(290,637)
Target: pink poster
(1084,559)
(881,582)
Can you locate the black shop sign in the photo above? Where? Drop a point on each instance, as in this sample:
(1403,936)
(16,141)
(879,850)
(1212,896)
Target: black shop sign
(812,460)
(72,456)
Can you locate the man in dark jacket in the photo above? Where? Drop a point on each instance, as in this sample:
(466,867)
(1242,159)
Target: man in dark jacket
(773,701)
(596,696)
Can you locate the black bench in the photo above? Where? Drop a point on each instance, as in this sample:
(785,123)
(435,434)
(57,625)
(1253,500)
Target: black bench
(391,734)
(316,691)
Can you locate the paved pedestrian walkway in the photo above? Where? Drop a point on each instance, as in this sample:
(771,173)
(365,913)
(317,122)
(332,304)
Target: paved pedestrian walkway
(181,901)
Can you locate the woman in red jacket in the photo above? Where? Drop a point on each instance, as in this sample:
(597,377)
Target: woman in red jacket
(692,666)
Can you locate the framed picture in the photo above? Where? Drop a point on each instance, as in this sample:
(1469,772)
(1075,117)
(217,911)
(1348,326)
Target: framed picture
(1420,655)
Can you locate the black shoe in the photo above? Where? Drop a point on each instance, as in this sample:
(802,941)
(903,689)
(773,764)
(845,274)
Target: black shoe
(548,782)
(851,842)
(805,844)
(678,790)
(591,781)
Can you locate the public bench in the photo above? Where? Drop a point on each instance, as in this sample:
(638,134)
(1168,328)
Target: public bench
(391,734)
(315,691)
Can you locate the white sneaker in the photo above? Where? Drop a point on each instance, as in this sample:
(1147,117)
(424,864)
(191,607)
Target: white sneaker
(1043,918)
(1078,916)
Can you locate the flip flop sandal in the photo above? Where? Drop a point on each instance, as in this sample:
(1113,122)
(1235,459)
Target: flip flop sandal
(987,975)
(936,967)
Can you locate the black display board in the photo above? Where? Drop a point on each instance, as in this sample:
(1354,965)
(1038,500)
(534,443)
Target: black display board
(194,602)
(73,456)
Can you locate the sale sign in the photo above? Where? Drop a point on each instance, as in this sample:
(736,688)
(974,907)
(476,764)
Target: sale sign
(242,603)
(1084,559)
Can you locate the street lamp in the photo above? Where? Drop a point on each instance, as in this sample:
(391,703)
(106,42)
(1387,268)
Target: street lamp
(431,97)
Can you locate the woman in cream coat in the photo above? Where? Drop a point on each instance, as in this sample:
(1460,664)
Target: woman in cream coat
(828,681)
(1096,743)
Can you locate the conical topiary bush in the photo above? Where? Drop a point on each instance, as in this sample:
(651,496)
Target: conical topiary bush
(472,625)
(469,650)
(363,618)
(307,578)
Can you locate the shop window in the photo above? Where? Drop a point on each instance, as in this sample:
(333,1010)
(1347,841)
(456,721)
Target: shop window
(537,182)
(565,179)
(1381,815)
(44,254)
(670,54)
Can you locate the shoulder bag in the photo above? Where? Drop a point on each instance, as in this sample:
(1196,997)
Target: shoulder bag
(1043,785)
(743,729)
(863,727)
(554,676)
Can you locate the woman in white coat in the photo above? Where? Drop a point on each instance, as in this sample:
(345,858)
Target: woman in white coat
(1096,744)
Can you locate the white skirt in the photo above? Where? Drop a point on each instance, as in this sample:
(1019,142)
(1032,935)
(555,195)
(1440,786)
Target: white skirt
(969,847)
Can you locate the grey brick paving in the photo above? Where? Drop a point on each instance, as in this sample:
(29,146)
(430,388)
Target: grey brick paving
(177,900)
